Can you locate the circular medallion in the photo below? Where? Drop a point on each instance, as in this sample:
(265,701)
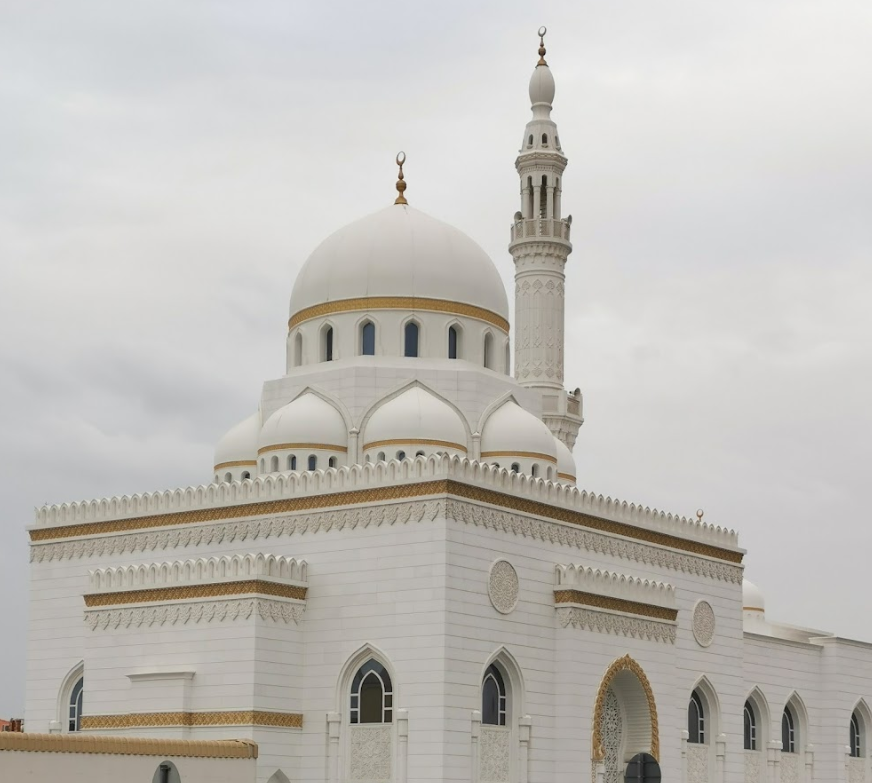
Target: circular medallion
(503,586)
(703,623)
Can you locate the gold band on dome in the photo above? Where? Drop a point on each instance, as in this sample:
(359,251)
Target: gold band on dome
(567,476)
(238,464)
(397,303)
(753,609)
(447,444)
(304,446)
(525,454)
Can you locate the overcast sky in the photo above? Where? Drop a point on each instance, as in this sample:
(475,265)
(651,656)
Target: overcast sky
(166,168)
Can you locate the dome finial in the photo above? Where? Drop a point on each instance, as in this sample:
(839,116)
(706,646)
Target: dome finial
(401,184)
(542,31)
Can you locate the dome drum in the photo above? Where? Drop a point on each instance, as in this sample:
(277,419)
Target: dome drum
(514,438)
(299,457)
(236,452)
(386,450)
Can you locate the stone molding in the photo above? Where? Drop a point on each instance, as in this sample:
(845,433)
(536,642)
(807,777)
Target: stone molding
(377,482)
(607,604)
(127,746)
(613,585)
(194,612)
(617,624)
(188,592)
(287,720)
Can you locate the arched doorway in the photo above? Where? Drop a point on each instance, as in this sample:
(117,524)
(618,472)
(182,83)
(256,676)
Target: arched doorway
(643,768)
(624,720)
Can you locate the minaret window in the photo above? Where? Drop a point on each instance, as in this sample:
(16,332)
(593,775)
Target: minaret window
(411,339)
(488,350)
(367,339)
(327,350)
(530,141)
(543,198)
(453,340)
(544,139)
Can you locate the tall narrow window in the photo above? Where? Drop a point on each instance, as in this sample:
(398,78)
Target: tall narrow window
(328,344)
(788,732)
(750,727)
(411,339)
(488,350)
(228,477)
(371,695)
(298,349)
(313,462)
(452,342)
(367,339)
(516,467)
(695,720)
(292,461)
(855,741)
(543,198)
(331,463)
(76,701)
(534,471)
(274,465)
(493,698)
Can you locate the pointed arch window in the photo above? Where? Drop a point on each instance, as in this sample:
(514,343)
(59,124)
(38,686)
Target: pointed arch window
(696,720)
(371,699)
(327,351)
(488,350)
(855,739)
(367,339)
(493,698)
(298,349)
(453,342)
(750,727)
(410,339)
(788,731)
(76,701)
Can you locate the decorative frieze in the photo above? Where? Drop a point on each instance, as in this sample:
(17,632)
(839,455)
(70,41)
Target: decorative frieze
(288,720)
(617,624)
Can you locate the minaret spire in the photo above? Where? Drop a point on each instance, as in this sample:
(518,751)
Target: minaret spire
(540,247)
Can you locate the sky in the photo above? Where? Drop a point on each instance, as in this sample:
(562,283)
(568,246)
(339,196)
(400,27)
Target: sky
(166,168)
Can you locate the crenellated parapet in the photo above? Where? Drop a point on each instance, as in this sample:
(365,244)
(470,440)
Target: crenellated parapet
(606,583)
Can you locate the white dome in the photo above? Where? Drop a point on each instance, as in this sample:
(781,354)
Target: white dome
(400,252)
(239,443)
(542,85)
(416,416)
(512,431)
(565,462)
(752,598)
(306,421)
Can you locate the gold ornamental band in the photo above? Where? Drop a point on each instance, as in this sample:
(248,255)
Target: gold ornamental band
(305,446)
(566,476)
(185,592)
(388,494)
(127,746)
(398,303)
(241,463)
(753,609)
(527,454)
(445,444)
(287,720)
(614,604)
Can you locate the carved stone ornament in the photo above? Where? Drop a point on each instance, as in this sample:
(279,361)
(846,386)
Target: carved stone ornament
(703,623)
(503,586)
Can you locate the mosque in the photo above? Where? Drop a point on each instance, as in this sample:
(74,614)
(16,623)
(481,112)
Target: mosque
(391,576)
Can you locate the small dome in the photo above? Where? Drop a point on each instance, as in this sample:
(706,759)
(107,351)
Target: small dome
(752,598)
(400,252)
(239,444)
(566,470)
(307,421)
(542,85)
(510,431)
(416,416)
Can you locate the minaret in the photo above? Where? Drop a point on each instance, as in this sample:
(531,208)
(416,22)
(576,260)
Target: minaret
(540,246)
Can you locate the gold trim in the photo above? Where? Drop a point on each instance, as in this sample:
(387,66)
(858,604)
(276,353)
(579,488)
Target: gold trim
(528,454)
(753,609)
(414,442)
(614,604)
(626,663)
(387,494)
(567,476)
(307,446)
(238,464)
(211,590)
(397,303)
(285,720)
(127,746)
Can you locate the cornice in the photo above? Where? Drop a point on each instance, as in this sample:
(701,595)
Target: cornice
(187,592)
(127,746)
(398,303)
(288,720)
(606,603)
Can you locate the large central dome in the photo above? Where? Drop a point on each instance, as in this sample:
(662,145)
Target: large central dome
(400,252)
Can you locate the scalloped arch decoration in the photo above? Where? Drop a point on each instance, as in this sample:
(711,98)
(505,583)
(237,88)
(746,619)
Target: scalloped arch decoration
(625,664)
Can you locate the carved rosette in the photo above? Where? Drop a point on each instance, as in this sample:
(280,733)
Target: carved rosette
(503,586)
(703,623)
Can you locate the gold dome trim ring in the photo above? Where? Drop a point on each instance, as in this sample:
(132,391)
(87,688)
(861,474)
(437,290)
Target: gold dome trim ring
(447,444)
(525,454)
(304,446)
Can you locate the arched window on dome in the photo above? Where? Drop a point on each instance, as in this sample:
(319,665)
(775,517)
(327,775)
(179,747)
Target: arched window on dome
(488,350)
(371,698)
(76,700)
(313,462)
(534,471)
(298,349)
(750,727)
(274,465)
(696,720)
(228,476)
(401,455)
(331,462)
(327,344)
(381,456)
(367,339)
(453,342)
(410,339)
(245,475)
(216,478)
(788,731)
(292,461)
(493,697)
(419,454)
(516,467)
(262,465)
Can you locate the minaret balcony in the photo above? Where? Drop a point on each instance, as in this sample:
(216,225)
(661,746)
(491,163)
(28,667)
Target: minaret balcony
(540,228)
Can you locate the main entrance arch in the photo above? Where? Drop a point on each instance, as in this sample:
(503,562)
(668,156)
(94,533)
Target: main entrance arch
(624,719)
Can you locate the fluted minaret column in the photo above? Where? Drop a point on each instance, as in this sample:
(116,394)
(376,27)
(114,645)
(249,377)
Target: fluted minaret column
(540,246)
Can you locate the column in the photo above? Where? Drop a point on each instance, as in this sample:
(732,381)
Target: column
(333,722)
(524,725)
(476,735)
(402,745)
